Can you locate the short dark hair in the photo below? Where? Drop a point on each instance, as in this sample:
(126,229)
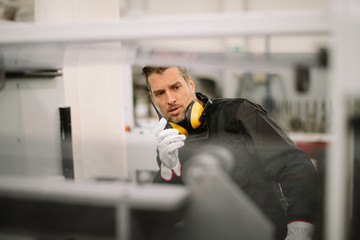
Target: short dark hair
(148,70)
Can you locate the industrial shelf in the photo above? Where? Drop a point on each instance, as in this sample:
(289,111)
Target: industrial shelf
(174,26)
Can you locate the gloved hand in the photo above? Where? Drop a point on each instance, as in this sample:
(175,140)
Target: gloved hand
(299,231)
(168,143)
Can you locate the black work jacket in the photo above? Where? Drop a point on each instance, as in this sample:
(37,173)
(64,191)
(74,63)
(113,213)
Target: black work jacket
(264,155)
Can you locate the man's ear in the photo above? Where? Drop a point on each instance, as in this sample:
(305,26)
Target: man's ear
(192,84)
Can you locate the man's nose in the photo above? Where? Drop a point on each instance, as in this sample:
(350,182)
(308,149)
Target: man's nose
(170,98)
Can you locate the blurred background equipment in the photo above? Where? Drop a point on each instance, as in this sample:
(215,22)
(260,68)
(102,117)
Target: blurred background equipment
(17,10)
(219,209)
(302,74)
(211,207)
(66,143)
(354,127)
(2,72)
(35,208)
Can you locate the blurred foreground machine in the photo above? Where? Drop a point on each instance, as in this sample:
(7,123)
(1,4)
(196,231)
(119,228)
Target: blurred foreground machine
(209,207)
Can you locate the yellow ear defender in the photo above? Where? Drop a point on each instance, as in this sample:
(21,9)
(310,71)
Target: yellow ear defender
(180,128)
(192,118)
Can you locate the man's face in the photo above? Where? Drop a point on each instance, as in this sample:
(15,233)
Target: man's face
(171,93)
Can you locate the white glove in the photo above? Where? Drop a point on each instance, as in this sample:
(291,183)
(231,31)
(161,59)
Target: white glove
(299,231)
(168,143)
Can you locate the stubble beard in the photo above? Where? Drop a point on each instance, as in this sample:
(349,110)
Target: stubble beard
(177,119)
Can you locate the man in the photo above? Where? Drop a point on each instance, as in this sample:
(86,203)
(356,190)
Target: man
(267,163)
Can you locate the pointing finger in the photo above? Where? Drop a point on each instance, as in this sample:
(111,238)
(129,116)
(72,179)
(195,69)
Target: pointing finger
(161,125)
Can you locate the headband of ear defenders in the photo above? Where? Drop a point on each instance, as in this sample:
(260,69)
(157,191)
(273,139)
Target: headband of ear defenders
(192,118)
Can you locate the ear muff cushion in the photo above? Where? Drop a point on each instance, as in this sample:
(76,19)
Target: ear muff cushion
(195,112)
(180,128)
